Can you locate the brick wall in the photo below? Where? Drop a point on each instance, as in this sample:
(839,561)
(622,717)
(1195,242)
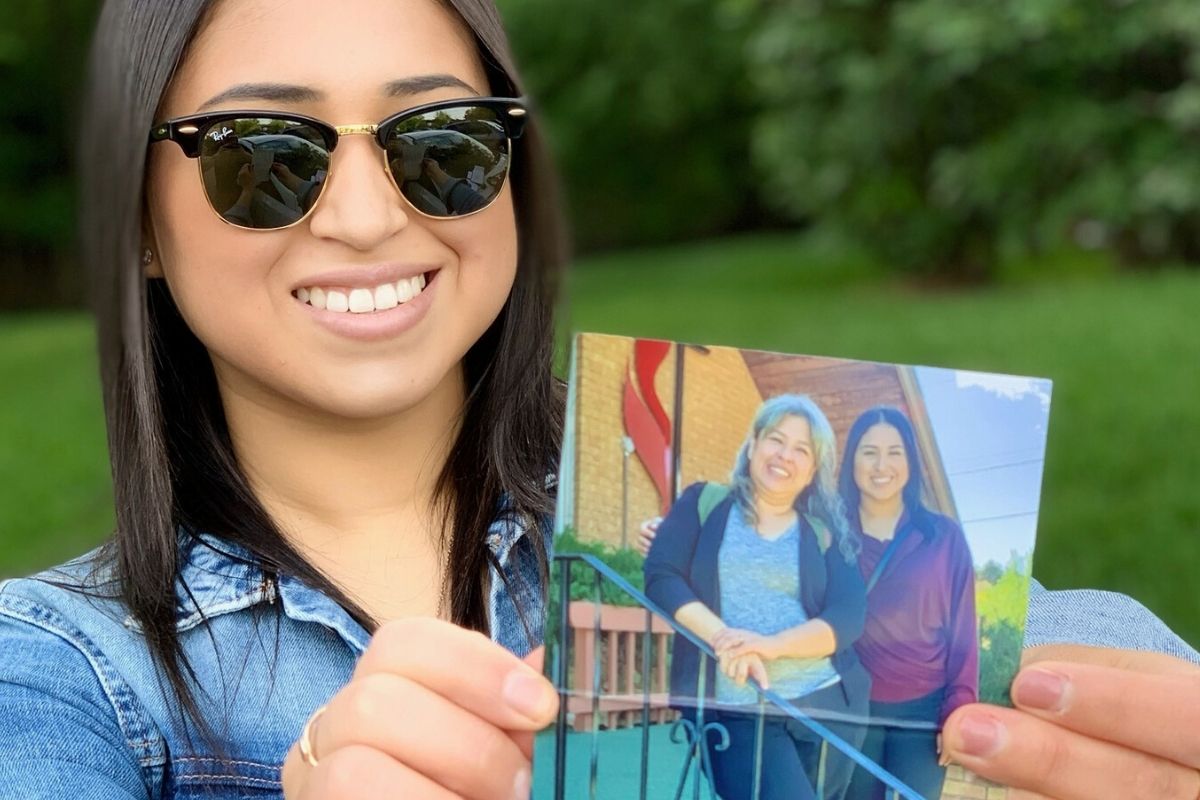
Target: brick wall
(719,401)
(603,365)
(962,784)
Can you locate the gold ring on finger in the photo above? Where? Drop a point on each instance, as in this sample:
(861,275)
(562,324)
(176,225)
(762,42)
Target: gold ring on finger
(307,750)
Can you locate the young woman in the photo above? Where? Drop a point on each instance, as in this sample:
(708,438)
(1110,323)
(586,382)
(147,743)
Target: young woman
(768,577)
(920,642)
(314,511)
(323,240)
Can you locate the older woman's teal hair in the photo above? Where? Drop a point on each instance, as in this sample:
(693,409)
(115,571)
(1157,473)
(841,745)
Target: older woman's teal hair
(820,498)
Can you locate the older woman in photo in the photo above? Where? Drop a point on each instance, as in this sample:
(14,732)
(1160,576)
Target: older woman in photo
(765,571)
(920,643)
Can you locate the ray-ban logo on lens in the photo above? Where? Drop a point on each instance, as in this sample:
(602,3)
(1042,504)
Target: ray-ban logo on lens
(217,136)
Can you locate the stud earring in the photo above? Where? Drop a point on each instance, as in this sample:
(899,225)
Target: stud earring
(147,256)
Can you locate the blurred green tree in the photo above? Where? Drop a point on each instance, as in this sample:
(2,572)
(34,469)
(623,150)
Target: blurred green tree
(42,47)
(649,109)
(950,136)
(1001,603)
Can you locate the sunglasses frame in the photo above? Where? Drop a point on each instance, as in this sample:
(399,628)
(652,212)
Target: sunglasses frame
(187,132)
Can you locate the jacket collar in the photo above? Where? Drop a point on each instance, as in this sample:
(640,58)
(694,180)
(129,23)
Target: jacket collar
(217,576)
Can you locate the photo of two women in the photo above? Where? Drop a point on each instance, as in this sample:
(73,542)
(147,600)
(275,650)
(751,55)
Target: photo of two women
(830,566)
(875,618)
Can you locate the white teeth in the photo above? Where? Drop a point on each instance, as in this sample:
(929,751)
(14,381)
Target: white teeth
(336,301)
(362,301)
(385,297)
(404,290)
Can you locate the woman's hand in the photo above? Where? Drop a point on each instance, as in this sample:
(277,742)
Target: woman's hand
(432,711)
(1091,724)
(288,178)
(736,642)
(739,668)
(646,534)
(245,178)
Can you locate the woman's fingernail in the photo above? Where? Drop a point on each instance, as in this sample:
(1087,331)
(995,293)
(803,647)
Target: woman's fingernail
(979,736)
(522,786)
(1041,689)
(527,693)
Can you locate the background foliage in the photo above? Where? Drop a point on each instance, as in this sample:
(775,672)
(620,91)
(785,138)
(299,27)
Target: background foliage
(951,136)
(41,60)
(1002,598)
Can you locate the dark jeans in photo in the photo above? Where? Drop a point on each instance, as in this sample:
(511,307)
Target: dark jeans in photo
(910,755)
(791,753)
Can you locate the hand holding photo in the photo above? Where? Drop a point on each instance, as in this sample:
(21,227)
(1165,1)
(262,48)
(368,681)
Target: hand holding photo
(777,575)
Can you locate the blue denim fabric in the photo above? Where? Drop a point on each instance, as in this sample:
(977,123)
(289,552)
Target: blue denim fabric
(1102,619)
(84,714)
(82,711)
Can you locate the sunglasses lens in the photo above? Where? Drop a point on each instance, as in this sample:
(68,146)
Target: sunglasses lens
(263,173)
(451,161)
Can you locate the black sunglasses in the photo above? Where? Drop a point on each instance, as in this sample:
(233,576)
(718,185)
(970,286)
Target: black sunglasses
(265,170)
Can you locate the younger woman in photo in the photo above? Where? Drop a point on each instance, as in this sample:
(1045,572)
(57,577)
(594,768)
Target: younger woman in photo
(919,643)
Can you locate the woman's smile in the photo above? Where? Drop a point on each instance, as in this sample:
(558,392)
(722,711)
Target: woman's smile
(381,312)
(380,296)
(368,304)
(881,464)
(781,460)
(780,471)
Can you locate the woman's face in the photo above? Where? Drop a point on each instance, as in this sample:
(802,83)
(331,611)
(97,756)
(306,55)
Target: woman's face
(782,459)
(881,463)
(236,288)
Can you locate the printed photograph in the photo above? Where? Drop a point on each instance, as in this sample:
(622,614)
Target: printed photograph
(777,575)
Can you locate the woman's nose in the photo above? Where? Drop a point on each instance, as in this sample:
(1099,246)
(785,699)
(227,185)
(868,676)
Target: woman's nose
(360,204)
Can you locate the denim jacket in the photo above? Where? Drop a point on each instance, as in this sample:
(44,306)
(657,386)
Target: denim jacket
(82,711)
(83,714)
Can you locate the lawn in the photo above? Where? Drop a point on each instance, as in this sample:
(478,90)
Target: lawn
(1120,508)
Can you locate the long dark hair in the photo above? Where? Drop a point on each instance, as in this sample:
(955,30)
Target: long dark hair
(912,494)
(173,466)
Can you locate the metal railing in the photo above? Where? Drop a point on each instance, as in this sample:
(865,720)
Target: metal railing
(697,763)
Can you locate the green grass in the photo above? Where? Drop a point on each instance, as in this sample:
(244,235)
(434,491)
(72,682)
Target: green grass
(1121,502)
(54,492)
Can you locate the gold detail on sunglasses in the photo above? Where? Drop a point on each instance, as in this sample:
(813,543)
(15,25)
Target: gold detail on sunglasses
(349,130)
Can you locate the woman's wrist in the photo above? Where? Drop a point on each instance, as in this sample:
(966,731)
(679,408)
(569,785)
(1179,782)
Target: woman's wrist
(713,638)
